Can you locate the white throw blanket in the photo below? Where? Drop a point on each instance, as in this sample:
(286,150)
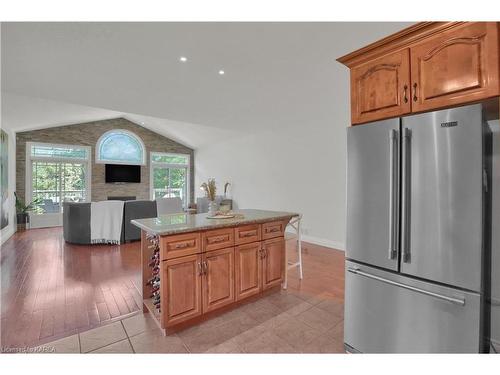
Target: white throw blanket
(106,221)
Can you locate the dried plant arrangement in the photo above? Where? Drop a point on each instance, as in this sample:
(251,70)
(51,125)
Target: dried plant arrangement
(210,189)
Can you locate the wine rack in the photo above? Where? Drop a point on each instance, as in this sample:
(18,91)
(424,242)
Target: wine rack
(153,282)
(151,275)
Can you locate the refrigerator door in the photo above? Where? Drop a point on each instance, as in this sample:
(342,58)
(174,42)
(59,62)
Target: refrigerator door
(442,192)
(373,155)
(387,312)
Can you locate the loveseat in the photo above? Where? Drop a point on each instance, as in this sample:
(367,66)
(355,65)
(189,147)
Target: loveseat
(76,220)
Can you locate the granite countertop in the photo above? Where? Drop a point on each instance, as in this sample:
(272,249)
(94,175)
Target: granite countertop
(183,223)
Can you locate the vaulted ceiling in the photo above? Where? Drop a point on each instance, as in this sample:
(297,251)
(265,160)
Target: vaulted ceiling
(276,74)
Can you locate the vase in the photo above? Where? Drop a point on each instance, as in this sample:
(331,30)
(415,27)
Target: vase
(212,208)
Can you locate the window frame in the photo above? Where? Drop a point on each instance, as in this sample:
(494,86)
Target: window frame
(28,192)
(98,159)
(153,164)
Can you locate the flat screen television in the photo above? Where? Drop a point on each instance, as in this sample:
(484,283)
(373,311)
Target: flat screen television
(123,173)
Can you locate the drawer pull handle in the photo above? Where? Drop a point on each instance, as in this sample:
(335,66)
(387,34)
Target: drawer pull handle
(217,239)
(272,230)
(248,234)
(183,245)
(457,301)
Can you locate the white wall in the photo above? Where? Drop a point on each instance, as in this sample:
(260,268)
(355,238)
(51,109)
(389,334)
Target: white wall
(11,227)
(291,166)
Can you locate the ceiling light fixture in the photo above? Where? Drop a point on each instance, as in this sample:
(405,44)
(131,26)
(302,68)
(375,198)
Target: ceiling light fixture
(183,59)
(221,72)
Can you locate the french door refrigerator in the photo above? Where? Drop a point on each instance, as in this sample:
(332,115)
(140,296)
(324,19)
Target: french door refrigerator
(416,207)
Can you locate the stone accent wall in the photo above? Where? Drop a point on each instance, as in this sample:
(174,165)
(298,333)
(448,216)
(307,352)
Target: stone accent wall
(87,134)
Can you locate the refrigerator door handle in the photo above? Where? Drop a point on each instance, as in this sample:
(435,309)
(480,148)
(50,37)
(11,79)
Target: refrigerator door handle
(393,193)
(458,301)
(405,223)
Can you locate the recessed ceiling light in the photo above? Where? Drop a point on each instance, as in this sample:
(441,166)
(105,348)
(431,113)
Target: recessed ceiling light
(183,59)
(221,72)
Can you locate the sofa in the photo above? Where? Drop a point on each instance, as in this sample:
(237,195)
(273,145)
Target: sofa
(76,220)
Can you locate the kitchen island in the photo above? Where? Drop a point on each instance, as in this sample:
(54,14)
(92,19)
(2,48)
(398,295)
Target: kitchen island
(194,267)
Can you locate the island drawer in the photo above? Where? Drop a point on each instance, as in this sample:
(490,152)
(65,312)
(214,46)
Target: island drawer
(218,239)
(247,233)
(180,245)
(273,229)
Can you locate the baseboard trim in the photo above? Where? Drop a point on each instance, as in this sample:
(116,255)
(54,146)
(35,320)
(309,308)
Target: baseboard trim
(321,241)
(324,242)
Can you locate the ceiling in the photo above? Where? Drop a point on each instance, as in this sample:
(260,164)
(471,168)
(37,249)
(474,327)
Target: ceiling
(276,74)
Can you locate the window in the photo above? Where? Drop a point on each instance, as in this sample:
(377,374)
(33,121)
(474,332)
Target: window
(170,176)
(120,147)
(56,174)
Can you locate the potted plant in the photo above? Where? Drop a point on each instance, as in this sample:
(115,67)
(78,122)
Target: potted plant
(23,210)
(210,189)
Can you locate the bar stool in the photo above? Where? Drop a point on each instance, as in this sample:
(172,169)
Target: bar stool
(295,224)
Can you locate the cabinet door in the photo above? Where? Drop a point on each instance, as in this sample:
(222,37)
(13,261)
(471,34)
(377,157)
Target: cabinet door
(273,262)
(455,67)
(381,88)
(181,289)
(218,279)
(248,270)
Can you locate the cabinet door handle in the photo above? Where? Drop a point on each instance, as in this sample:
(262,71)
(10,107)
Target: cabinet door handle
(405,97)
(200,269)
(415,98)
(205,267)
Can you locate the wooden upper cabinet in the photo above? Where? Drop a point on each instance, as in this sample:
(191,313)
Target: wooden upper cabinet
(381,88)
(455,67)
(181,289)
(218,280)
(428,66)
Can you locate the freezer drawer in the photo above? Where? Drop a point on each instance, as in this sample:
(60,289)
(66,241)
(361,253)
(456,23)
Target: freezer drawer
(386,312)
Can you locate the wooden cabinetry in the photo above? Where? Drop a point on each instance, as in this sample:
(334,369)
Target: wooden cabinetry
(381,88)
(181,289)
(218,279)
(248,271)
(207,270)
(428,66)
(454,67)
(273,262)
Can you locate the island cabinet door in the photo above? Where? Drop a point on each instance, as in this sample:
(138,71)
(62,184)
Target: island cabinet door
(381,88)
(248,271)
(455,67)
(181,289)
(273,262)
(218,279)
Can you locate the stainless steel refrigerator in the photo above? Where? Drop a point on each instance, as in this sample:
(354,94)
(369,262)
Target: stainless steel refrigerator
(417,233)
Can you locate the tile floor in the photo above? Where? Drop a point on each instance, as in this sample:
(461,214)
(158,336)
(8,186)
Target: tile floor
(306,318)
(283,322)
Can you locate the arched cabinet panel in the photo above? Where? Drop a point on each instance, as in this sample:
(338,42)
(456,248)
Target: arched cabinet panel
(381,88)
(455,67)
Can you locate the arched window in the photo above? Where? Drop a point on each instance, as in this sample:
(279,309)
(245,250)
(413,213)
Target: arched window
(120,147)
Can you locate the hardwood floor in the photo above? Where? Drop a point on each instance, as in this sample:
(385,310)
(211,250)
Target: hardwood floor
(51,289)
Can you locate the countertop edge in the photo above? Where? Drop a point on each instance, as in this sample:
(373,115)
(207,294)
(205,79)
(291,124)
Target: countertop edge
(288,216)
